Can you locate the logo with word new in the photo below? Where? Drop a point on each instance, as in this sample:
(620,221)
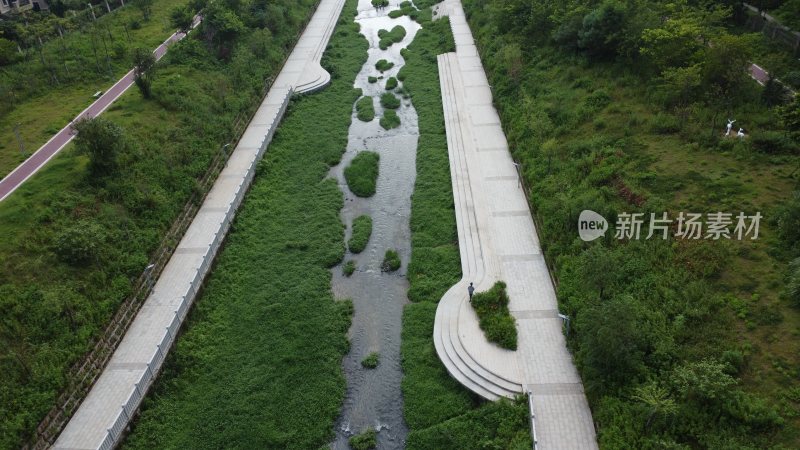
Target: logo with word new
(591,225)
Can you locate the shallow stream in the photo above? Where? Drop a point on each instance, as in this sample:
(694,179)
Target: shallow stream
(374,398)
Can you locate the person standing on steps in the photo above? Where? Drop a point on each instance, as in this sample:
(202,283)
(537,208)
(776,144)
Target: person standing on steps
(470,290)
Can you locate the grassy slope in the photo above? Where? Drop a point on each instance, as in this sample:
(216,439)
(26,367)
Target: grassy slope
(440,413)
(51,309)
(39,117)
(674,170)
(259,365)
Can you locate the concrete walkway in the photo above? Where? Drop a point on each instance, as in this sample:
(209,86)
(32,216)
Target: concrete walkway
(101,419)
(46,152)
(498,241)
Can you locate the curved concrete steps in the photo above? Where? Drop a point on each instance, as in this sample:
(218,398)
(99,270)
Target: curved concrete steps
(314,77)
(461,358)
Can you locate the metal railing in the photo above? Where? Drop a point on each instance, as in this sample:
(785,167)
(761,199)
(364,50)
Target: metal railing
(534,439)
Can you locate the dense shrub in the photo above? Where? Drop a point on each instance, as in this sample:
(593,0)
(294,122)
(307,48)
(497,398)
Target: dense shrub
(772,142)
(391,83)
(495,319)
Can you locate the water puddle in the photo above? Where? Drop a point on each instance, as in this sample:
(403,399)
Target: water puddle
(374,399)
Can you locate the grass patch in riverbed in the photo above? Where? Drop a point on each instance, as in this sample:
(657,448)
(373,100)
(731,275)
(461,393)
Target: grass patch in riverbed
(362,230)
(365,110)
(391,261)
(495,319)
(371,361)
(349,268)
(259,362)
(367,440)
(391,37)
(362,174)
(390,101)
(391,83)
(390,120)
(383,65)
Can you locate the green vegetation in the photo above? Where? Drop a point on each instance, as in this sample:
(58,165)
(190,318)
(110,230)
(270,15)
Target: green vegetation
(372,80)
(391,83)
(390,120)
(391,37)
(144,69)
(502,425)
(407,9)
(383,65)
(349,268)
(86,57)
(276,321)
(440,413)
(54,302)
(391,261)
(365,110)
(495,320)
(367,440)
(102,141)
(362,230)
(611,107)
(371,361)
(390,101)
(380,3)
(362,174)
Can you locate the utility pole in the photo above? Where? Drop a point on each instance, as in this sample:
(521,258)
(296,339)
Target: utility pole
(19,139)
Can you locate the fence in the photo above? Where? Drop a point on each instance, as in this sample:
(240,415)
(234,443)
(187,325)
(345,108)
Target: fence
(128,409)
(83,374)
(534,439)
(772,28)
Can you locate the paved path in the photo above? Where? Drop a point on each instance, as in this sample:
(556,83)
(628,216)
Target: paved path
(56,143)
(498,241)
(101,419)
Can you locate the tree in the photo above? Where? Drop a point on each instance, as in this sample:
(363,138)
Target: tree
(146,6)
(603,30)
(102,140)
(8,52)
(221,27)
(144,70)
(182,18)
(773,94)
(657,401)
(614,340)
